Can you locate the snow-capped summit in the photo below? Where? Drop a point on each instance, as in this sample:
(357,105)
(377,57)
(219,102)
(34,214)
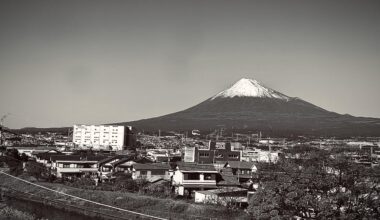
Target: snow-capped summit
(250,88)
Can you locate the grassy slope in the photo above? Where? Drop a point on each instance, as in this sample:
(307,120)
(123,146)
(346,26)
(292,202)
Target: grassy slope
(166,208)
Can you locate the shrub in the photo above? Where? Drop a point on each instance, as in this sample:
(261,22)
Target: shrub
(10,213)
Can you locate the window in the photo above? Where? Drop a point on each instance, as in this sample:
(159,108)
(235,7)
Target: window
(143,172)
(204,154)
(233,156)
(191,176)
(66,165)
(245,172)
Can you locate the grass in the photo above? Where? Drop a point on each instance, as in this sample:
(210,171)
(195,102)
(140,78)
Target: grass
(162,207)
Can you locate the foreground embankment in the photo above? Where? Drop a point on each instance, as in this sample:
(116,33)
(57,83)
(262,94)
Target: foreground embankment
(146,205)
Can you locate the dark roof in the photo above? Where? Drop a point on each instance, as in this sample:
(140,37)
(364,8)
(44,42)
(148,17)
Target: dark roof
(123,160)
(137,160)
(76,158)
(240,164)
(151,166)
(94,158)
(227,178)
(47,155)
(195,167)
(108,159)
(65,157)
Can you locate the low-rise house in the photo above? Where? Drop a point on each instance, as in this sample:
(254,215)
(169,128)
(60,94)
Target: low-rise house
(151,171)
(230,196)
(243,170)
(75,166)
(125,165)
(106,166)
(189,177)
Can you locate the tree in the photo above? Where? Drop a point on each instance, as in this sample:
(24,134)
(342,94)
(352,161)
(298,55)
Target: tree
(14,161)
(319,186)
(37,170)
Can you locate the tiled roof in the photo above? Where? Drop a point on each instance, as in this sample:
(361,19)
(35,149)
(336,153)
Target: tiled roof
(65,157)
(46,155)
(240,164)
(76,158)
(196,167)
(228,179)
(108,159)
(123,160)
(151,166)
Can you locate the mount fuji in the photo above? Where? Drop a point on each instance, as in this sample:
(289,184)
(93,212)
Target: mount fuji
(249,106)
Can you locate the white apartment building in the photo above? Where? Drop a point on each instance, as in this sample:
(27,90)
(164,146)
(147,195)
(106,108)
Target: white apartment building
(106,137)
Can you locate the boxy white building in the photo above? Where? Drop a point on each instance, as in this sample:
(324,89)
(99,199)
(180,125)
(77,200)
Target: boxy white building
(106,137)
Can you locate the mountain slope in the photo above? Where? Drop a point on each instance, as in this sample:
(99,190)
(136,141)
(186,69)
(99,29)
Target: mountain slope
(250,106)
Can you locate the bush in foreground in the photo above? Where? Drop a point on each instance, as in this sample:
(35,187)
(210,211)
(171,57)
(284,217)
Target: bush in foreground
(10,213)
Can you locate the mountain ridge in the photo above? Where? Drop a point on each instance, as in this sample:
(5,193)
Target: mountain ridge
(250,106)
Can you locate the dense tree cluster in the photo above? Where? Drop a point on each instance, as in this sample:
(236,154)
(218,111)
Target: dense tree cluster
(316,184)
(13,160)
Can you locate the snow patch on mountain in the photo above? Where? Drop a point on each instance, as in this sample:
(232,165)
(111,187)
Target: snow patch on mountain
(250,88)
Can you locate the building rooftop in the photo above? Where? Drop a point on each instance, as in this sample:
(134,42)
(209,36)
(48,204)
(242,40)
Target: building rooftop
(151,166)
(192,167)
(240,164)
(76,158)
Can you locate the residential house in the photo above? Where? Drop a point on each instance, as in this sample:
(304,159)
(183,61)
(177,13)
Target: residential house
(189,177)
(125,165)
(69,166)
(106,166)
(151,171)
(243,170)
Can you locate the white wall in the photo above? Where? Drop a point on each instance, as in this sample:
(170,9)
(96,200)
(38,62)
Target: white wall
(99,136)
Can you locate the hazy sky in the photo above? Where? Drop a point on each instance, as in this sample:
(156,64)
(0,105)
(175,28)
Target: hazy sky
(66,62)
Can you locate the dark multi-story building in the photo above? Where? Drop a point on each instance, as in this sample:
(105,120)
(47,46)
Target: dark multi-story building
(215,152)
